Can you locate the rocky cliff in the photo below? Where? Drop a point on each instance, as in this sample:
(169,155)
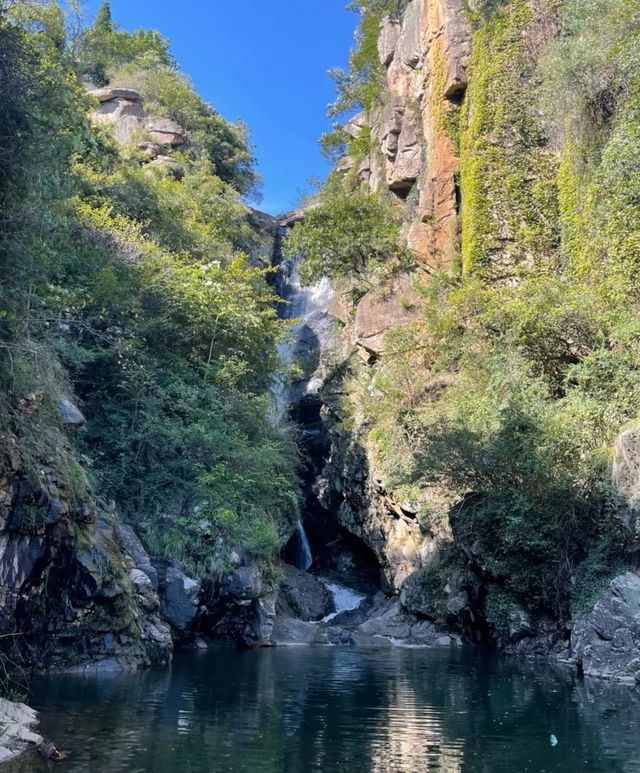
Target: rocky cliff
(456,143)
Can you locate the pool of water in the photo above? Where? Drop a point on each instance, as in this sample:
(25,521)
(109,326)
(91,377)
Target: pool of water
(338,709)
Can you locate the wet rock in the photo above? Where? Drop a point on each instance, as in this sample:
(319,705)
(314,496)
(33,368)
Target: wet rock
(288,632)
(179,596)
(303,596)
(606,641)
(17,733)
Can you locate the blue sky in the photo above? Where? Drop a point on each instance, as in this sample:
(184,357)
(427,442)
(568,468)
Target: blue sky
(265,62)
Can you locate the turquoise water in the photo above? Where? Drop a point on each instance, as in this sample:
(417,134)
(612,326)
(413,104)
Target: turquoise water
(338,709)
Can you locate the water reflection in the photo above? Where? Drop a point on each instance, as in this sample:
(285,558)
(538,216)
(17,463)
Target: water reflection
(330,709)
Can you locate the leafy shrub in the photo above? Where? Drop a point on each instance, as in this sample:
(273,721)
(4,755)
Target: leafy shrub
(346,234)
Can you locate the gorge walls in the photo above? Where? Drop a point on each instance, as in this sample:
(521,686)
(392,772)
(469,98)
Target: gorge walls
(456,405)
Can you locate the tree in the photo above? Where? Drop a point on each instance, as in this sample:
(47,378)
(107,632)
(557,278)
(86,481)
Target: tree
(104,19)
(345,235)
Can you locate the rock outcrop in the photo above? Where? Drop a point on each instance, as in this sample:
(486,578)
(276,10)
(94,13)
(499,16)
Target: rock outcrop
(606,642)
(626,477)
(424,54)
(122,110)
(179,596)
(18,725)
(381,311)
(100,613)
(119,108)
(303,596)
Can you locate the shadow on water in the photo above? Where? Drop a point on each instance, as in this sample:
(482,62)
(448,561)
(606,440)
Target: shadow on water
(330,709)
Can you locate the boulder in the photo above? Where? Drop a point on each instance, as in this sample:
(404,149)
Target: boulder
(17,723)
(303,596)
(179,596)
(134,550)
(606,641)
(165,131)
(288,632)
(143,587)
(70,414)
(124,115)
(108,93)
(243,585)
(377,313)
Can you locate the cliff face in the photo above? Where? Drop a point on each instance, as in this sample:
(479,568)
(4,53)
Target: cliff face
(413,156)
(457,142)
(71,592)
(424,55)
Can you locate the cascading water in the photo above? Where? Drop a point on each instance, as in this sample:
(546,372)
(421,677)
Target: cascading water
(296,389)
(304,557)
(309,335)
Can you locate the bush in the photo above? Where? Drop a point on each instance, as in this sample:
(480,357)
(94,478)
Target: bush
(345,235)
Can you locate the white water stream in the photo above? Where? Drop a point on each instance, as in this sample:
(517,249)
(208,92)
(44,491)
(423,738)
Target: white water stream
(310,334)
(304,558)
(344,598)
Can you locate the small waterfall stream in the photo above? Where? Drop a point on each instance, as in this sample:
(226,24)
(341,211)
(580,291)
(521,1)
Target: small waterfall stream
(304,556)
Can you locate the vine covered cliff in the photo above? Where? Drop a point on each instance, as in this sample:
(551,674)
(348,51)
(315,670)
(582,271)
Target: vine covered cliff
(481,230)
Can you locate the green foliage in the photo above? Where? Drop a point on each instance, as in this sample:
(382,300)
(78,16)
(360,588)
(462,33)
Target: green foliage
(132,289)
(104,19)
(507,174)
(346,235)
(169,93)
(102,48)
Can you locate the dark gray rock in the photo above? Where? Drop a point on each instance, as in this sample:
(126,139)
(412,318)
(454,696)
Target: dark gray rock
(243,585)
(70,414)
(134,548)
(303,596)
(179,596)
(288,632)
(606,641)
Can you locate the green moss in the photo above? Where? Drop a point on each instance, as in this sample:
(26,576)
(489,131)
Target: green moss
(507,172)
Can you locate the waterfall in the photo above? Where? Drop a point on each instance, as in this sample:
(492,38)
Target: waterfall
(304,557)
(311,333)
(296,390)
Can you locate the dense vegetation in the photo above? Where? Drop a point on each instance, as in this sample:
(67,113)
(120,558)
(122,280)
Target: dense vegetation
(511,389)
(130,287)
